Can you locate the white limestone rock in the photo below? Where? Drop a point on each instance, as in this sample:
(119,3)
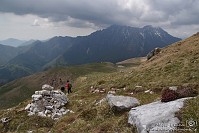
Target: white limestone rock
(36,97)
(38,92)
(111,92)
(31,113)
(42,114)
(57,92)
(147,91)
(56,115)
(45,92)
(48,103)
(47,87)
(121,103)
(61,98)
(156,117)
(49,107)
(100,101)
(5,120)
(62,110)
(174,88)
(71,111)
(47,112)
(28,107)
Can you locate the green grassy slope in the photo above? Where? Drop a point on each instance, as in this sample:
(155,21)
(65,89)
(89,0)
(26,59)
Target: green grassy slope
(133,61)
(19,90)
(175,65)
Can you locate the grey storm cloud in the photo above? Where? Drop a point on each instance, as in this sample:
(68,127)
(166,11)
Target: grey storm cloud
(178,12)
(105,12)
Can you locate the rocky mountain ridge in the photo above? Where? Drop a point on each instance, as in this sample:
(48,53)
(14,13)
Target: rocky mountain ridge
(113,44)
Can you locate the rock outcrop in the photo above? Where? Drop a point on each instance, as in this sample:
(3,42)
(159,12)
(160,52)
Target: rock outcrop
(121,103)
(156,117)
(153,53)
(174,92)
(48,103)
(169,94)
(187,91)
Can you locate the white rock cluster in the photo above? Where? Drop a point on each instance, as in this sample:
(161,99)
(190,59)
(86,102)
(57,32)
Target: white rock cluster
(97,90)
(149,91)
(48,103)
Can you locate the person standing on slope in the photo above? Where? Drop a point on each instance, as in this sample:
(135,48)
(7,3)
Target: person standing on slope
(68,86)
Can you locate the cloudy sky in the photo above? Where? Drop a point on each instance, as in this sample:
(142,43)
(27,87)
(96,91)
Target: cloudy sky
(42,19)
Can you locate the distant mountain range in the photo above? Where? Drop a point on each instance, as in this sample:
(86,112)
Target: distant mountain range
(15,42)
(7,53)
(11,47)
(12,42)
(113,44)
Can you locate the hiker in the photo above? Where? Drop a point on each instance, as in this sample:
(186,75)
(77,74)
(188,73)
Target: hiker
(62,85)
(63,88)
(54,83)
(60,81)
(68,86)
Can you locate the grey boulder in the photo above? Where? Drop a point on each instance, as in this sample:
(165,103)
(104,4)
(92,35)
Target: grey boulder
(121,103)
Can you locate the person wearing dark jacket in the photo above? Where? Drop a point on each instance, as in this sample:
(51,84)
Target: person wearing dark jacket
(68,86)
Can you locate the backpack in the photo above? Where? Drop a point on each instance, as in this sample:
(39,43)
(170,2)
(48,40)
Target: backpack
(69,85)
(62,88)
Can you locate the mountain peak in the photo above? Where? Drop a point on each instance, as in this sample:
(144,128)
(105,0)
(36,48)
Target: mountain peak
(152,27)
(12,42)
(117,26)
(148,26)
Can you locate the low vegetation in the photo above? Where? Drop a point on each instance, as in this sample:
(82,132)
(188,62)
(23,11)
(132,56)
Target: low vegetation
(174,66)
